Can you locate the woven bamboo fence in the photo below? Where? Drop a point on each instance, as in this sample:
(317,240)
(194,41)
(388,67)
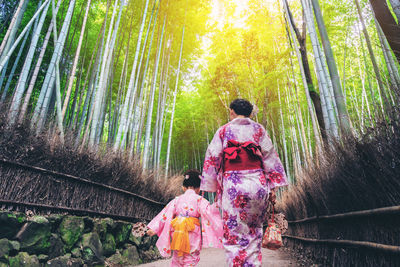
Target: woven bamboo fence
(345,210)
(28,187)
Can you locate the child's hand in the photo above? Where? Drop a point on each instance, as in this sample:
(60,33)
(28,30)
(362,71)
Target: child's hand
(150,232)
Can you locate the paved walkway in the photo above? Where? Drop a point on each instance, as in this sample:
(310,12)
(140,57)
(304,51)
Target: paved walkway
(211,257)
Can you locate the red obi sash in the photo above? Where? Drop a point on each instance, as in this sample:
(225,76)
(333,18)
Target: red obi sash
(242,156)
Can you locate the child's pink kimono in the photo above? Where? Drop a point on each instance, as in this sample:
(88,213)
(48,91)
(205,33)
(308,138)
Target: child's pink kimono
(188,205)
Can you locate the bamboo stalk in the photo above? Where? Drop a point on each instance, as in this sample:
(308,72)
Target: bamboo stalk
(141,103)
(42,106)
(351,243)
(104,70)
(8,39)
(311,109)
(20,87)
(146,152)
(126,109)
(372,56)
(173,105)
(36,69)
(3,96)
(16,42)
(362,213)
(75,64)
(344,120)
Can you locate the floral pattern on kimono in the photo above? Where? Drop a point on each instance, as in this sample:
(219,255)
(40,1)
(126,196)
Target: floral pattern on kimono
(242,194)
(189,204)
(187,260)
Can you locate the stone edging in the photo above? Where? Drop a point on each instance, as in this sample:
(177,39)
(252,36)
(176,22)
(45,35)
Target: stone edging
(65,240)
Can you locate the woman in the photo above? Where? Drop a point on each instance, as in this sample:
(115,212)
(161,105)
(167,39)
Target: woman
(241,165)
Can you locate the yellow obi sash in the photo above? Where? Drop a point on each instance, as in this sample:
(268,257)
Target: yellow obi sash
(180,239)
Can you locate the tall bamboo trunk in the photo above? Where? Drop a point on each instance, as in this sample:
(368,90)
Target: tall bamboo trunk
(76,59)
(344,120)
(158,124)
(146,151)
(9,49)
(301,38)
(173,106)
(388,24)
(98,107)
(322,76)
(58,86)
(392,67)
(305,85)
(48,84)
(141,104)
(11,74)
(283,133)
(12,29)
(163,110)
(141,78)
(36,69)
(78,95)
(89,80)
(115,105)
(377,110)
(372,55)
(121,87)
(130,93)
(23,78)
(92,85)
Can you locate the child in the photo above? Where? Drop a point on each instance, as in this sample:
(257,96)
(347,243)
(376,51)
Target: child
(178,224)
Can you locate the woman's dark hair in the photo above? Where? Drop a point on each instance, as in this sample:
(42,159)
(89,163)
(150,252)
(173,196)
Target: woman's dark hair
(241,107)
(192,179)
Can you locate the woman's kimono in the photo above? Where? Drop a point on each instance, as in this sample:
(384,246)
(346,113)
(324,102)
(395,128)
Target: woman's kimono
(188,205)
(242,194)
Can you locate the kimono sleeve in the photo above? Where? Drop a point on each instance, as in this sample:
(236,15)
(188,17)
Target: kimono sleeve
(212,164)
(211,224)
(161,224)
(272,165)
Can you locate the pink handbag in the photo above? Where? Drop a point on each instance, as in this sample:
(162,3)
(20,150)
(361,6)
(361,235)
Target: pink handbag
(273,237)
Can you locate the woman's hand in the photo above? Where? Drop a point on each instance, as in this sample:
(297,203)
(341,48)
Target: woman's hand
(272,196)
(150,232)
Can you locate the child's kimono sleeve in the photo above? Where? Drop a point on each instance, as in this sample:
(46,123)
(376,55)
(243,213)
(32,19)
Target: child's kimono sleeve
(161,224)
(211,224)
(212,164)
(272,165)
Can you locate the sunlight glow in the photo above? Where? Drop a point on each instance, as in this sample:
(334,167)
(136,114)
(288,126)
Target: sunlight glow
(232,12)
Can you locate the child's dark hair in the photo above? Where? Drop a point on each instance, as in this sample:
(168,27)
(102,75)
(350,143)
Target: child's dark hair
(241,107)
(192,179)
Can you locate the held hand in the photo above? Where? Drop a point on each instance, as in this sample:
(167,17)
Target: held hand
(150,232)
(272,197)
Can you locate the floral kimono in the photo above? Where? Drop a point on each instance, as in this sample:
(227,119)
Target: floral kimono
(243,188)
(181,215)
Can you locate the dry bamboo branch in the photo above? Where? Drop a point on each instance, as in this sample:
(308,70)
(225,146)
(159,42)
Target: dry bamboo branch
(351,243)
(371,212)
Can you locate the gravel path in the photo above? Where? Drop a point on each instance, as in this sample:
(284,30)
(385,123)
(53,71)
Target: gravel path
(211,257)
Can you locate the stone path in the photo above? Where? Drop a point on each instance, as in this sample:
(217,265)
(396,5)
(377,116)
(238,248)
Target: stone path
(211,257)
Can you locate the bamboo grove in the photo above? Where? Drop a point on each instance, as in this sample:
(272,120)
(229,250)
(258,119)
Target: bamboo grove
(154,78)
